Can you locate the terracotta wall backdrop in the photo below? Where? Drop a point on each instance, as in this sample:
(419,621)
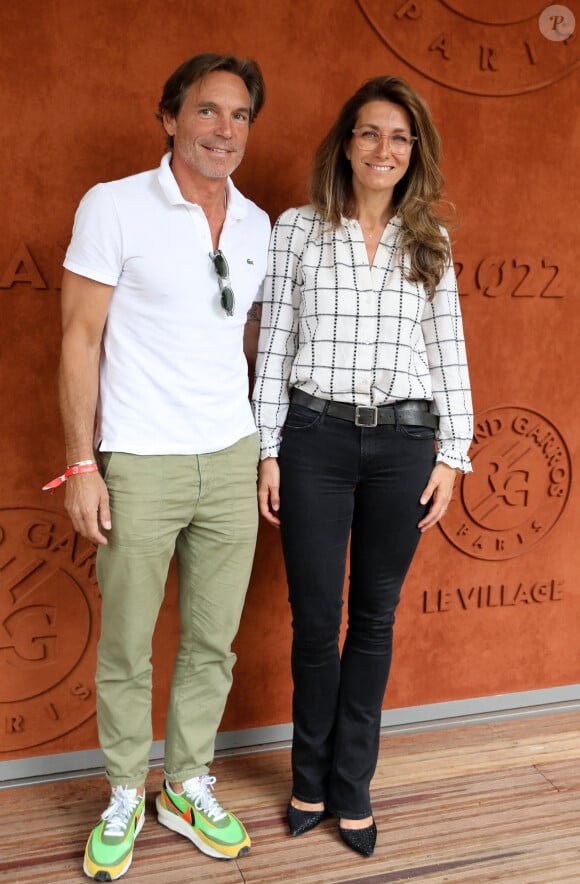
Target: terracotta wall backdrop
(492,602)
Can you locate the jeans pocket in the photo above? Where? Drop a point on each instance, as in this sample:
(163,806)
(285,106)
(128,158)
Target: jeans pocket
(420,433)
(301,418)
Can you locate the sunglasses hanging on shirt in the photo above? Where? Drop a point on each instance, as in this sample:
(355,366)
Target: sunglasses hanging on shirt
(222,270)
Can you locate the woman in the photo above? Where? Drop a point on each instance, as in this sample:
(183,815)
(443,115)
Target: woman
(361,370)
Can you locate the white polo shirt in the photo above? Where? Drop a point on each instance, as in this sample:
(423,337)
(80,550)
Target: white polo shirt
(173,375)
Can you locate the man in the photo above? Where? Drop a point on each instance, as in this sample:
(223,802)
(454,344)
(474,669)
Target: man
(160,277)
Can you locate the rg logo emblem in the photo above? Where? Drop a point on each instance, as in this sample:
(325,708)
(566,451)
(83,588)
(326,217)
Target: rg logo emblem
(48,628)
(518,490)
(509,49)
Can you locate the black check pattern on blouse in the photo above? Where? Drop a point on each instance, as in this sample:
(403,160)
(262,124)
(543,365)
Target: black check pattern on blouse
(341,330)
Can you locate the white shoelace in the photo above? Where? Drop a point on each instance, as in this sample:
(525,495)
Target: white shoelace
(118,813)
(200,791)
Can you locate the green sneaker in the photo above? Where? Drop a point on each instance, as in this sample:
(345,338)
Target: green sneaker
(196,814)
(109,850)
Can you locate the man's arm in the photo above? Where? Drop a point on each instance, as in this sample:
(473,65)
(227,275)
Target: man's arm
(251,335)
(85,304)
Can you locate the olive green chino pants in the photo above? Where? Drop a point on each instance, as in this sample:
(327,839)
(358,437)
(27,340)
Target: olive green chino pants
(203,508)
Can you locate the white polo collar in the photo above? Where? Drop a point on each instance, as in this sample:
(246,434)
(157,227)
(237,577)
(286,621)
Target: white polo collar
(236,203)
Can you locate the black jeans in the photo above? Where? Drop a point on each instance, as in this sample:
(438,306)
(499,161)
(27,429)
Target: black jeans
(340,481)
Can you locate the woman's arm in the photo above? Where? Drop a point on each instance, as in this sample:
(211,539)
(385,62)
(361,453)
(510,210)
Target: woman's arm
(269,490)
(279,330)
(442,328)
(439,491)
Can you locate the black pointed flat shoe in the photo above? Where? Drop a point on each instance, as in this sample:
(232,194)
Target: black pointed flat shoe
(301,821)
(361,840)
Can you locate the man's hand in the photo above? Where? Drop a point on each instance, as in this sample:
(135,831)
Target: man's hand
(85,305)
(87,503)
(439,490)
(269,490)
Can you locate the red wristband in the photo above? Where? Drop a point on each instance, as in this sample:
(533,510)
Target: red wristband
(70,471)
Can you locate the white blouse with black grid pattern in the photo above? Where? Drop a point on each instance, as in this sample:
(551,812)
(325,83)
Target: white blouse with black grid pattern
(338,329)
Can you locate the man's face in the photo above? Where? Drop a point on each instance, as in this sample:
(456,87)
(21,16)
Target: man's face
(211,129)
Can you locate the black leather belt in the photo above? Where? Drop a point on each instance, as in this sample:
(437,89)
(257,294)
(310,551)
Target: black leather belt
(410,412)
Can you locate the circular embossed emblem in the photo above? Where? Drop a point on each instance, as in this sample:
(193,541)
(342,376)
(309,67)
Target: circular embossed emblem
(493,48)
(518,489)
(48,636)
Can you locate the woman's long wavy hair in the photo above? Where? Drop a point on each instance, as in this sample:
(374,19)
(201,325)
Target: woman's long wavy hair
(416,197)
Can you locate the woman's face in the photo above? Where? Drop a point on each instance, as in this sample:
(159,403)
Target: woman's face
(383,164)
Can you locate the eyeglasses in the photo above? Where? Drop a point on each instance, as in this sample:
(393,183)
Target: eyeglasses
(399,143)
(223,273)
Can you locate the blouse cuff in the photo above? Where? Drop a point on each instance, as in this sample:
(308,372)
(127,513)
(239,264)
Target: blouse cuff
(454,459)
(269,448)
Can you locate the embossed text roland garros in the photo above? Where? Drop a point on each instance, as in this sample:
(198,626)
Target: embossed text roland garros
(519,487)
(48,628)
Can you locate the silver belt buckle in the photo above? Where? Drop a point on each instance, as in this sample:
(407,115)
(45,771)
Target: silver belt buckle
(366,416)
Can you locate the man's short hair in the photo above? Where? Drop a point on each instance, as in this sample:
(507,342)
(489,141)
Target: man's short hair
(198,67)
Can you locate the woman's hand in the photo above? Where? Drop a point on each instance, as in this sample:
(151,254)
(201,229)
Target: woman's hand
(438,490)
(269,490)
